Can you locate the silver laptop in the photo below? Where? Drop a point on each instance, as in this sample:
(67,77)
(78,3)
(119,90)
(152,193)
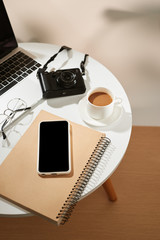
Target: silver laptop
(17,67)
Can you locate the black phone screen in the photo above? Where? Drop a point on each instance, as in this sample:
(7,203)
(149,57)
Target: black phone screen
(53,146)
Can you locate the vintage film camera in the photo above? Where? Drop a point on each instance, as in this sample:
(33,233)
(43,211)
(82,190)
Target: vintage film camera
(64,82)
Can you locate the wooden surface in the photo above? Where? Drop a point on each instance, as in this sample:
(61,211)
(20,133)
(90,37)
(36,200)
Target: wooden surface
(135,215)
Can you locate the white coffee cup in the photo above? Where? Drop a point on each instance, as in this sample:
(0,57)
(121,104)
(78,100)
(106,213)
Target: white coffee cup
(100,103)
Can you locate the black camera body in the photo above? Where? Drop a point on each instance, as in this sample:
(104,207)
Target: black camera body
(61,83)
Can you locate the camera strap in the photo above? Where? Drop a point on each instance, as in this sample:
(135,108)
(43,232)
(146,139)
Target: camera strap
(82,64)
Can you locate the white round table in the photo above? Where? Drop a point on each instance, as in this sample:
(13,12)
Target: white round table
(117,128)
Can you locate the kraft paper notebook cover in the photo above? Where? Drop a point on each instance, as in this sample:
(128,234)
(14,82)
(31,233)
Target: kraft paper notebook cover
(20,183)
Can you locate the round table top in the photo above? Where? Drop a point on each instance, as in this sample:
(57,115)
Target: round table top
(117,127)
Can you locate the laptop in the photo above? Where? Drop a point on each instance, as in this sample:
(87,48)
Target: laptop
(18,68)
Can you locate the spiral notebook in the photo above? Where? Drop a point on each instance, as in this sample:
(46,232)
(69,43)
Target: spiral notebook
(51,197)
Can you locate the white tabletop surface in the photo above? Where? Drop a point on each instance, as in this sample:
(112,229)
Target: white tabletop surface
(118,128)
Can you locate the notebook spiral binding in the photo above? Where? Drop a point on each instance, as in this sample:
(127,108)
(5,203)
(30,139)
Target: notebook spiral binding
(83,179)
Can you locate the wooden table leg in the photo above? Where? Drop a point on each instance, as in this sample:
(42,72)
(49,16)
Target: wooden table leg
(110,190)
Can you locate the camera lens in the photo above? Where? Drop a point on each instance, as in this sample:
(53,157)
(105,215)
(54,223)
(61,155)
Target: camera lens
(67,79)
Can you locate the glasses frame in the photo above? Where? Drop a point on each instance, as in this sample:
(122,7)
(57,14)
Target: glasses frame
(11,115)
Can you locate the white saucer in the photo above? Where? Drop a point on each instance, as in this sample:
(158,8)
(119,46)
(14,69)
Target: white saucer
(117,114)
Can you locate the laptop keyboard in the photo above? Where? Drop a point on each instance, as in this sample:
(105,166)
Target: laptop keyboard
(15,69)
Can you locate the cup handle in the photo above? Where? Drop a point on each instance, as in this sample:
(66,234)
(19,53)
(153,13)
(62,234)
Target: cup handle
(118,100)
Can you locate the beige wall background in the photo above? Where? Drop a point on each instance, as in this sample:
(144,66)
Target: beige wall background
(123,35)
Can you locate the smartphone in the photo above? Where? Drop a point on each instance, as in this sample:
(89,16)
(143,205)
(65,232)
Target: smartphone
(54,148)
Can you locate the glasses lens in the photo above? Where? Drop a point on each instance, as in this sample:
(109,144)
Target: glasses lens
(16,103)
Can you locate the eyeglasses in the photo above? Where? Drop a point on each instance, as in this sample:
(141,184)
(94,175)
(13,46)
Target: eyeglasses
(15,105)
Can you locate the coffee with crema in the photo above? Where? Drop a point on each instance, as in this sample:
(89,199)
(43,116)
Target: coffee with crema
(100,98)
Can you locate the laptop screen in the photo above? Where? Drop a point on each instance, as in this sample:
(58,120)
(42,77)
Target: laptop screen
(7,39)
